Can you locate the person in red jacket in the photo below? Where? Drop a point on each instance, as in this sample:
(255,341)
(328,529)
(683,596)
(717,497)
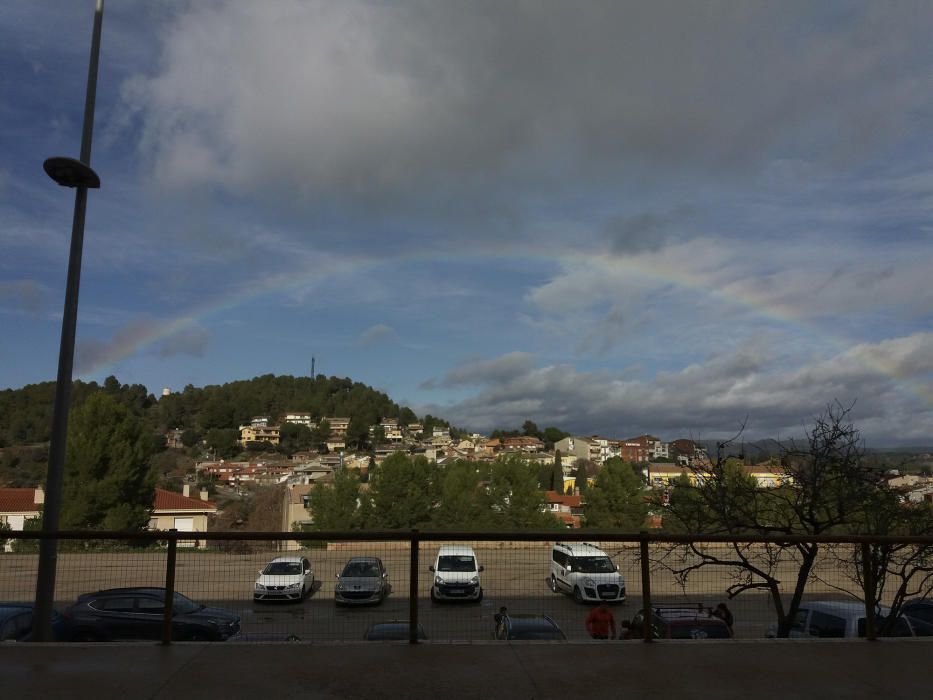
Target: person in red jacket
(600,623)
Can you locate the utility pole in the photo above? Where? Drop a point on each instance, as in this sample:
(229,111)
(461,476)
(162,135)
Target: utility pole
(313,375)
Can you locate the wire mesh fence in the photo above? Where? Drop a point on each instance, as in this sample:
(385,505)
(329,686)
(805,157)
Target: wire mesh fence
(447,587)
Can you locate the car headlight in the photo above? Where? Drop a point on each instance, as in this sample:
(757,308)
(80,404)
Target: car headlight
(589,583)
(438,581)
(474,581)
(294,585)
(260,587)
(339,586)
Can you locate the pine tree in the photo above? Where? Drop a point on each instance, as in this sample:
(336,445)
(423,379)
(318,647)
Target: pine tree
(616,500)
(108,483)
(557,475)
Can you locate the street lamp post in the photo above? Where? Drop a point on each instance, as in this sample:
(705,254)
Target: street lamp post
(67,172)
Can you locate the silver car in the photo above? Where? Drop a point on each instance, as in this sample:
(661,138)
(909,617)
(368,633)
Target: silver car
(363,580)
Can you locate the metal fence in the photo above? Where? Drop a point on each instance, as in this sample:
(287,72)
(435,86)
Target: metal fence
(224,572)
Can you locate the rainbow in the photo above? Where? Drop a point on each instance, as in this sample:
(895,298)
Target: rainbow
(125,347)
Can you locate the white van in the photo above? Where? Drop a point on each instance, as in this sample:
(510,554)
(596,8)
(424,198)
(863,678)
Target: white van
(586,572)
(456,574)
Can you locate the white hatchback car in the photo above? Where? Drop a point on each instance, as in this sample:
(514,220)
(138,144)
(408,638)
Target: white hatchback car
(284,578)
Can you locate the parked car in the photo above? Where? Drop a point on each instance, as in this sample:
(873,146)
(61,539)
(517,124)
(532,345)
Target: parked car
(682,623)
(528,627)
(284,578)
(138,613)
(456,574)
(392,631)
(846,619)
(16,623)
(363,580)
(919,609)
(586,572)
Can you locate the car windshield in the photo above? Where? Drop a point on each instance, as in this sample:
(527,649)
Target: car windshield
(360,569)
(183,605)
(464,563)
(282,568)
(593,565)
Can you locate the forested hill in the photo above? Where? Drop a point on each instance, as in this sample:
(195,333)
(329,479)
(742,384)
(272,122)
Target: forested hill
(26,414)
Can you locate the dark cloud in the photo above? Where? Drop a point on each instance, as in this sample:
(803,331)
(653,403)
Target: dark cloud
(479,372)
(400,99)
(649,231)
(714,397)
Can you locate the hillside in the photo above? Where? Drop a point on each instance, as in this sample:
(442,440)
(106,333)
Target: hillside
(26,413)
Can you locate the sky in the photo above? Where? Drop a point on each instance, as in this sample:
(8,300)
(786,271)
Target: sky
(611,217)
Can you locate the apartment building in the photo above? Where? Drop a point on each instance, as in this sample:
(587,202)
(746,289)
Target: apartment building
(259,433)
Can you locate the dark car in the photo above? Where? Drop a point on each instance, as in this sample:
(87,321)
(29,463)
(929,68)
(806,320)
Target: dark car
(919,609)
(138,613)
(392,631)
(16,623)
(528,627)
(363,580)
(682,623)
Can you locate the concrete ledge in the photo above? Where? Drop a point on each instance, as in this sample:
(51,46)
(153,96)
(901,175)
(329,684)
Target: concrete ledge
(760,669)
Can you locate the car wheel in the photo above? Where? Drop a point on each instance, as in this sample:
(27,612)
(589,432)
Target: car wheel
(479,598)
(553,584)
(198,636)
(577,594)
(433,595)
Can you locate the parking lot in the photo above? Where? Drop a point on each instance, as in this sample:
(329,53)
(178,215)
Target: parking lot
(515,576)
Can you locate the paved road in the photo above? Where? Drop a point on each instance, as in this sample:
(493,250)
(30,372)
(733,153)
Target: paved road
(515,577)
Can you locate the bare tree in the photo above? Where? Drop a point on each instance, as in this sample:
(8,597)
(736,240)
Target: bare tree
(824,488)
(889,572)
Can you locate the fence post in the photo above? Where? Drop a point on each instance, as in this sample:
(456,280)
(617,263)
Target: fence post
(645,587)
(413,589)
(169,586)
(868,581)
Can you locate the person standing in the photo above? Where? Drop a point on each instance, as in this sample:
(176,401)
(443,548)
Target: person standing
(600,623)
(724,614)
(499,619)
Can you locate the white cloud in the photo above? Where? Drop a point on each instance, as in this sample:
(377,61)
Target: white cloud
(379,334)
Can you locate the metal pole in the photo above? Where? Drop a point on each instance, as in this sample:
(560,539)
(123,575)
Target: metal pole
(169,588)
(413,590)
(645,590)
(868,579)
(51,511)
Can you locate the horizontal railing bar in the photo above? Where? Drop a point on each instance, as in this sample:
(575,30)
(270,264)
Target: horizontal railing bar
(459,535)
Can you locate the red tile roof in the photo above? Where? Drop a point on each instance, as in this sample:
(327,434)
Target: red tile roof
(18,501)
(569,501)
(171,500)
